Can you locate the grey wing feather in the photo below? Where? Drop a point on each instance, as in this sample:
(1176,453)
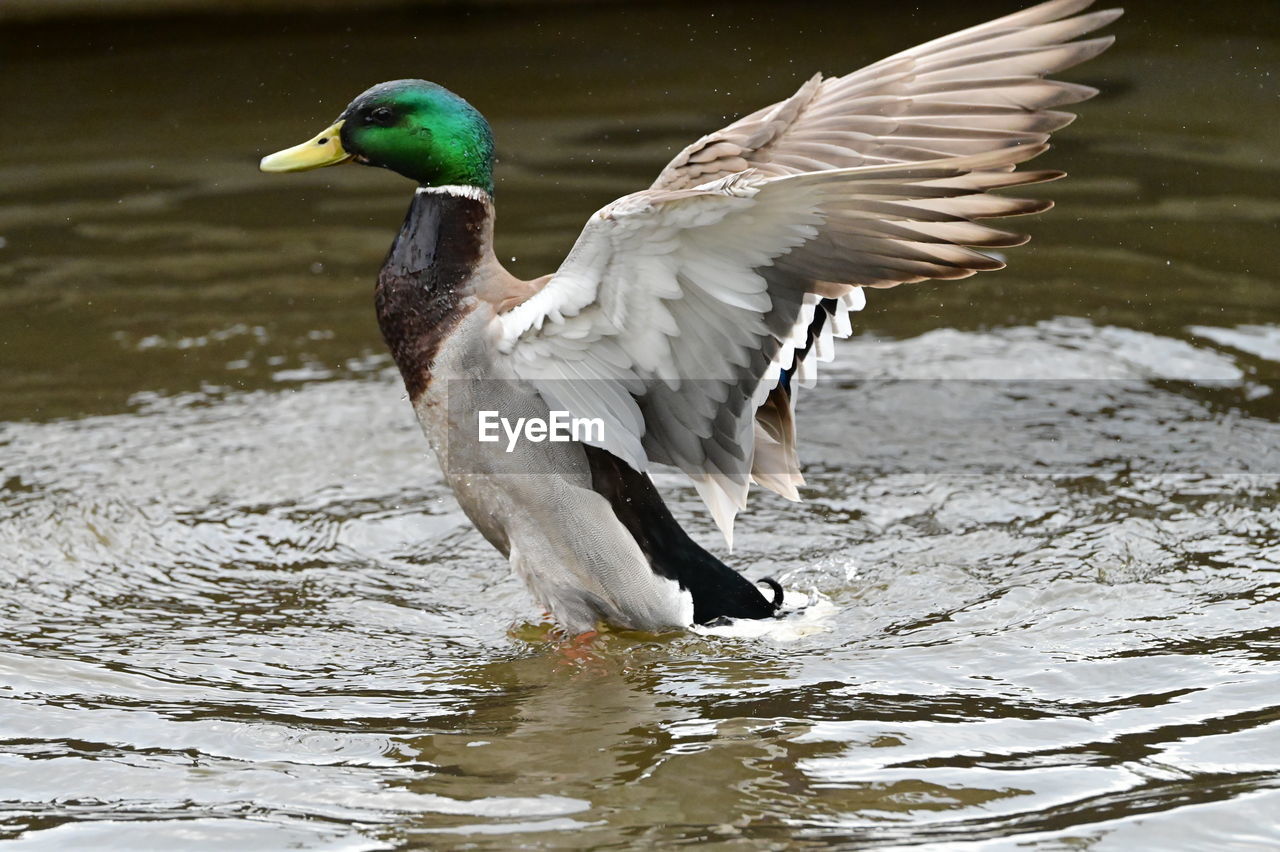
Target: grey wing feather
(680,306)
(969,92)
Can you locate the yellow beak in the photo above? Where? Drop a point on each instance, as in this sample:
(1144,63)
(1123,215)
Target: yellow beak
(325,149)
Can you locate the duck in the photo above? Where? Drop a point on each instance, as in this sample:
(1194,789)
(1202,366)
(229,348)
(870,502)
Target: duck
(681,325)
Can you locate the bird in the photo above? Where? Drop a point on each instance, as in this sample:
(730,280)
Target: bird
(681,325)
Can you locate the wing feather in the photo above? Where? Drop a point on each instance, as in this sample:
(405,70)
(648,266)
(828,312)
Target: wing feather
(687,316)
(959,94)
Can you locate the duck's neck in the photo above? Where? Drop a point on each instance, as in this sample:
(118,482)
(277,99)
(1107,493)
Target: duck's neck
(446,237)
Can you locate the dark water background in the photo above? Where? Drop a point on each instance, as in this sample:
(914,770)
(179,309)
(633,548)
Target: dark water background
(239,609)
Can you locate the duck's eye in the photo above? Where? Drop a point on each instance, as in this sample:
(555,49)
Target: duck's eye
(382,115)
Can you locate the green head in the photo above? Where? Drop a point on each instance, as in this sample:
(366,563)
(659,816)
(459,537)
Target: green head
(415,128)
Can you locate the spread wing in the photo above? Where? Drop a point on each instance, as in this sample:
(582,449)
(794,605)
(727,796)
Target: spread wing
(685,315)
(976,90)
(676,312)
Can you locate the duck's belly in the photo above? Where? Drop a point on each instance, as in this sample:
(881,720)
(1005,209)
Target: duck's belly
(533,500)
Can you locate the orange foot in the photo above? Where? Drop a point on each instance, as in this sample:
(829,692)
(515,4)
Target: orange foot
(581,650)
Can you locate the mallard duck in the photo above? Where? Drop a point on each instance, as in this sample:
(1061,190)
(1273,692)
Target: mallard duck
(685,317)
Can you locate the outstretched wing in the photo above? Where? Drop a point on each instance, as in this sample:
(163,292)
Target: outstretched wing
(686,315)
(676,311)
(976,90)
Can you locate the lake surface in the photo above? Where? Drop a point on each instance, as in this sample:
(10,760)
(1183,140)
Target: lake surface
(240,610)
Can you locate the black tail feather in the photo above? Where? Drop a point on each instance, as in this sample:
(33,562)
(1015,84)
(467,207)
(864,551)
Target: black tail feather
(778,594)
(718,590)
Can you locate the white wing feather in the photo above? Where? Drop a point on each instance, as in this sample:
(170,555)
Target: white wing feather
(679,307)
(676,311)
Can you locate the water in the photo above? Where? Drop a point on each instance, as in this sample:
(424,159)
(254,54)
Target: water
(239,609)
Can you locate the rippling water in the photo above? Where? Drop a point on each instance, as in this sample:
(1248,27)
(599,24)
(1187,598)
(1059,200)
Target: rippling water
(239,609)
